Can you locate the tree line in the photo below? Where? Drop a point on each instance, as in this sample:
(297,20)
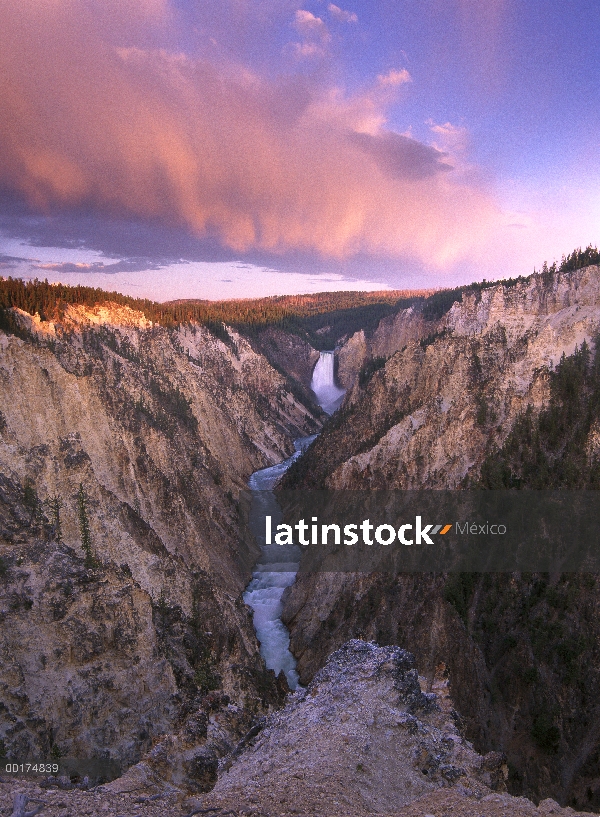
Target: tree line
(49,300)
(322,318)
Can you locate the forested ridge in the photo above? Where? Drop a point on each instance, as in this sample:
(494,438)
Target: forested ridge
(49,299)
(301,314)
(321,318)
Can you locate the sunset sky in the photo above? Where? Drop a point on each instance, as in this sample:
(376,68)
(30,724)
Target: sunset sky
(184,148)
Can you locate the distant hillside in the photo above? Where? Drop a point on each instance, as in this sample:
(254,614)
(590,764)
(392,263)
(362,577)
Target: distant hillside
(252,310)
(324,319)
(316,317)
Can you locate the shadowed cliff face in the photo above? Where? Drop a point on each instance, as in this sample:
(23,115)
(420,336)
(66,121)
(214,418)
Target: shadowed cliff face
(521,650)
(292,354)
(143,438)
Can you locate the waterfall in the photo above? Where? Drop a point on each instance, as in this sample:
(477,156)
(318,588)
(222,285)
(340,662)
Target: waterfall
(277,566)
(329,395)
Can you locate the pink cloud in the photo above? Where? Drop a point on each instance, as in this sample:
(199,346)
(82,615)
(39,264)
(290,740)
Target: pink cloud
(341,14)
(310,26)
(308,49)
(453,139)
(93,118)
(394,77)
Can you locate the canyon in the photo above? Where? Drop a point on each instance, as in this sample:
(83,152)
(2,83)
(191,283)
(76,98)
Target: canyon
(125,453)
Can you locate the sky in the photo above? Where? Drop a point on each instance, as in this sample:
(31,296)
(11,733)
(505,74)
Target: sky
(186,148)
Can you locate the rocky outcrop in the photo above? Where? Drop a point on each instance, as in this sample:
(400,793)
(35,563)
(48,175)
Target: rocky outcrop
(397,331)
(392,334)
(98,802)
(362,738)
(521,653)
(368,736)
(124,454)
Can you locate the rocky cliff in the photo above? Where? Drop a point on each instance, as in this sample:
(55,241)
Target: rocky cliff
(427,415)
(363,737)
(522,651)
(368,736)
(124,452)
(393,333)
(290,352)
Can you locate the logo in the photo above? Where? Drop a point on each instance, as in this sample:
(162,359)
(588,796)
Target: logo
(386,534)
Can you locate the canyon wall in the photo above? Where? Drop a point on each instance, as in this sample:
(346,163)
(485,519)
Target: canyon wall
(125,450)
(522,650)
(124,454)
(392,334)
(427,415)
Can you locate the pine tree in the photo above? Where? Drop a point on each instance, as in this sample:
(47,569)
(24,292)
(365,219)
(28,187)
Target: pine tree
(84,527)
(55,504)
(31,501)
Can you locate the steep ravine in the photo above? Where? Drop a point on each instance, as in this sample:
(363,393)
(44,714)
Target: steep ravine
(278,565)
(522,651)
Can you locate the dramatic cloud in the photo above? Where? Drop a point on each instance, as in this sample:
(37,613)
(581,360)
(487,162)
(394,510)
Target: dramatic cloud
(400,157)
(99,116)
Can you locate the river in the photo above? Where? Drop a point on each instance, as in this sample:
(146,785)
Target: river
(278,564)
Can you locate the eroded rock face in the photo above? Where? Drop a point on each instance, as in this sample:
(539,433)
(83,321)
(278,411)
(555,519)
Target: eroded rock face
(392,334)
(522,650)
(363,737)
(291,353)
(157,430)
(351,357)
(428,417)
(397,331)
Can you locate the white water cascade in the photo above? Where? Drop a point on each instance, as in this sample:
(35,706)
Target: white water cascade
(328,394)
(278,564)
